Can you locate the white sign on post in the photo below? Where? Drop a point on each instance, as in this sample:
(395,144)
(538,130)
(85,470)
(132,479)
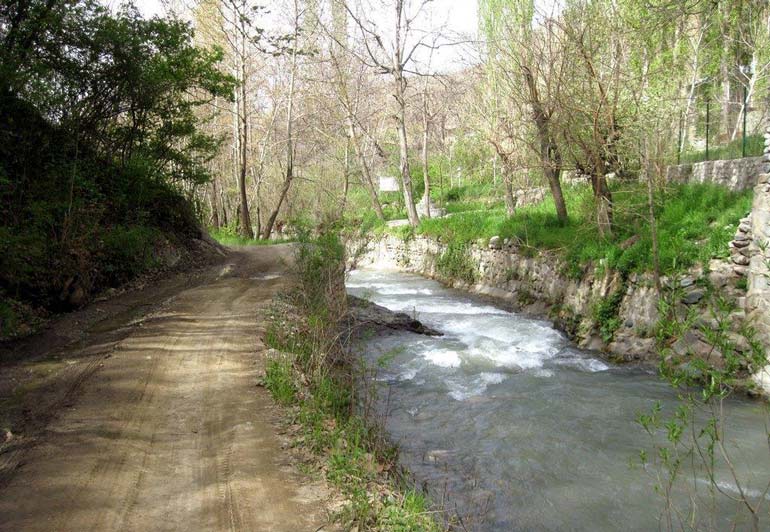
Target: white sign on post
(388,184)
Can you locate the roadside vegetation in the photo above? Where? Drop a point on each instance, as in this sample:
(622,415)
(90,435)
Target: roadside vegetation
(230,237)
(91,195)
(326,387)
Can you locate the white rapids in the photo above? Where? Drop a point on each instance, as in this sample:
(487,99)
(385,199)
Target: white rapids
(522,430)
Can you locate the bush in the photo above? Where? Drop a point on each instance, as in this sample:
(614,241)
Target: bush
(279,379)
(734,150)
(457,263)
(606,314)
(128,251)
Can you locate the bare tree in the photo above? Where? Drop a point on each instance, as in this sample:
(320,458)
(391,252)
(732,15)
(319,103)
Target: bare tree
(345,82)
(531,66)
(395,60)
(289,170)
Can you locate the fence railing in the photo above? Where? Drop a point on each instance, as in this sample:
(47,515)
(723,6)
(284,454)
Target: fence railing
(728,127)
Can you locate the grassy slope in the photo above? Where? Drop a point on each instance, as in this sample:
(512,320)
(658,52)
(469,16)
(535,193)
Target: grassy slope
(695,223)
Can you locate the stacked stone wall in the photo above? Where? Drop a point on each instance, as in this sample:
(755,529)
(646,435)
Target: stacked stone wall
(735,174)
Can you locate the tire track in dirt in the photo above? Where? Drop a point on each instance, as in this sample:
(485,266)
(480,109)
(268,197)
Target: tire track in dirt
(171,432)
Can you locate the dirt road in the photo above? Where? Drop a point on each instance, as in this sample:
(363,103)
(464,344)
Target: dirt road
(171,431)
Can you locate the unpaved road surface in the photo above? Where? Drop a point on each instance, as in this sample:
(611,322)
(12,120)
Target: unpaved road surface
(169,431)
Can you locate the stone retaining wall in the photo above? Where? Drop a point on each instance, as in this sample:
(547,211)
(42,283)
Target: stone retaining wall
(539,286)
(735,174)
(758,297)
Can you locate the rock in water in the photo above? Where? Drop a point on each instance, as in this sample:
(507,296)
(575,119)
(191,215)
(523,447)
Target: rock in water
(365,314)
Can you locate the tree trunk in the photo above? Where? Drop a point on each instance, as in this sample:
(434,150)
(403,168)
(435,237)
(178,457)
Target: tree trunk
(425,137)
(550,155)
(274,215)
(406,178)
(224,209)
(400,94)
(214,204)
(257,178)
(245,229)
(346,177)
(553,176)
(510,199)
(727,93)
(289,132)
(603,198)
(653,221)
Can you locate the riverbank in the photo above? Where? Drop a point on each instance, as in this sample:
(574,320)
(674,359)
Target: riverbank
(620,315)
(510,421)
(327,394)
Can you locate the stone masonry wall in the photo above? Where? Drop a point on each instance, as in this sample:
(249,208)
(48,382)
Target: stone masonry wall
(758,297)
(735,174)
(539,286)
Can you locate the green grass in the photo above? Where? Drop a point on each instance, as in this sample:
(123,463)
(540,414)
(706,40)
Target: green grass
(734,150)
(312,372)
(457,263)
(353,460)
(695,223)
(228,237)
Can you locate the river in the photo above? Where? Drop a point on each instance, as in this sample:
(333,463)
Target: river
(517,429)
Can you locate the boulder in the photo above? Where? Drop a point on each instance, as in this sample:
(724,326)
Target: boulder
(367,316)
(495,243)
(741,260)
(694,297)
(692,345)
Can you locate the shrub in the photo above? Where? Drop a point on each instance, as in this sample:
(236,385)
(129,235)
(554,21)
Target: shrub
(128,251)
(456,263)
(279,379)
(605,314)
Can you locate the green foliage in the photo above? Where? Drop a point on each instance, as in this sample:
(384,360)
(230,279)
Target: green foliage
(228,236)
(695,223)
(128,251)
(456,263)
(279,379)
(755,145)
(605,314)
(98,133)
(694,433)
(16,318)
(320,263)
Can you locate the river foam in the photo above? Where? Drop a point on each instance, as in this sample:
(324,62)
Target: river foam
(481,343)
(503,413)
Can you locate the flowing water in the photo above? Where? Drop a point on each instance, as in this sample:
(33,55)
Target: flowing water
(522,430)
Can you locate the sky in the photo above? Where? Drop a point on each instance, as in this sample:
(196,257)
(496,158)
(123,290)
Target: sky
(459,17)
(461,14)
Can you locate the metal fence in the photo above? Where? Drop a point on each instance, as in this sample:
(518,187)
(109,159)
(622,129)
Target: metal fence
(725,127)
